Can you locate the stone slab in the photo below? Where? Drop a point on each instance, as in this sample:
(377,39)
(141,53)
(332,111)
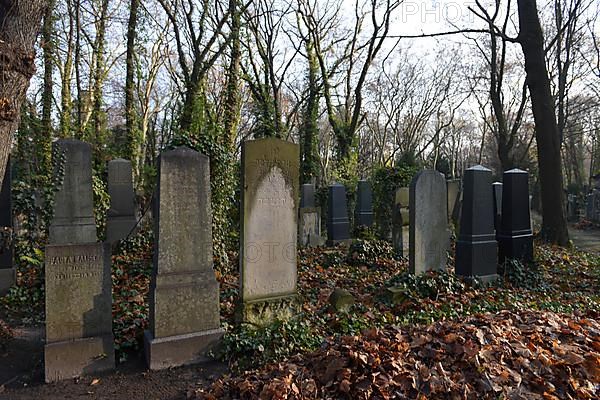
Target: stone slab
(338,223)
(309,227)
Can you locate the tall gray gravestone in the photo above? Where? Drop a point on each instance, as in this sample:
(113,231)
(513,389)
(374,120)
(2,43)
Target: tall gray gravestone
(79,337)
(338,223)
(429,235)
(476,247)
(120,219)
(515,237)
(269,213)
(7,270)
(184,292)
(400,221)
(309,219)
(363,213)
(497,191)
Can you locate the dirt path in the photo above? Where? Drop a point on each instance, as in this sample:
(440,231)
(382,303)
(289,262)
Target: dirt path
(586,240)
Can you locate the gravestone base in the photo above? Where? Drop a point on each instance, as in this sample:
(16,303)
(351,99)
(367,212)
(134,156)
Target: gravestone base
(118,228)
(263,312)
(482,256)
(175,351)
(76,357)
(515,247)
(7,279)
(341,242)
(364,218)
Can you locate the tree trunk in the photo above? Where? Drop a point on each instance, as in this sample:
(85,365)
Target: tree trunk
(554,225)
(232,97)
(20,25)
(130,112)
(44,140)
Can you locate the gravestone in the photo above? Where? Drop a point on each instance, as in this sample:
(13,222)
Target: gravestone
(497,192)
(453,187)
(515,237)
(309,219)
(73,220)
(120,219)
(184,292)
(7,270)
(79,337)
(429,236)
(363,213)
(476,247)
(400,221)
(338,224)
(268,243)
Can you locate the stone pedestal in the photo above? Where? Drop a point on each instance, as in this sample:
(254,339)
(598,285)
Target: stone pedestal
(120,219)
(268,245)
(184,293)
(515,237)
(429,235)
(476,247)
(338,223)
(363,214)
(79,338)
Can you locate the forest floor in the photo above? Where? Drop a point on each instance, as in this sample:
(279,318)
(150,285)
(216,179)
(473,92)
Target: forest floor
(534,334)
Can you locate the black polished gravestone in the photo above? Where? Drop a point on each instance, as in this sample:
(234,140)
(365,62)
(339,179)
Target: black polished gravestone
(363,213)
(515,237)
(7,271)
(338,224)
(497,190)
(476,247)
(120,220)
(307,195)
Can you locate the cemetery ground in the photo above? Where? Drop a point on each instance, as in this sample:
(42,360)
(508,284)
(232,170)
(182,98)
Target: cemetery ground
(535,334)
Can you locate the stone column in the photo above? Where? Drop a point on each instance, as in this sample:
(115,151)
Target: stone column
(120,219)
(429,236)
(515,238)
(7,270)
(476,247)
(184,292)
(269,228)
(363,214)
(79,337)
(338,223)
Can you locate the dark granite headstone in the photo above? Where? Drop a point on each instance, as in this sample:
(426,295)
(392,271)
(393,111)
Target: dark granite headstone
(515,237)
(307,196)
(476,247)
(79,337)
(73,220)
(7,270)
(497,191)
(120,219)
(338,224)
(363,214)
(268,245)
(184,292)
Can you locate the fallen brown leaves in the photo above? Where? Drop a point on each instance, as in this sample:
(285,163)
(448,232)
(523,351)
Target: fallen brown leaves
(527,355)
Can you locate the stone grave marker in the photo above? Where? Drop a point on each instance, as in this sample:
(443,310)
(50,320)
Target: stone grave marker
(184,292)
(309,218)
(429,236)
(7,270)
(400,221)
(269,228)
(120,219)
(453,187)
(363,213)
(497,192)
(79,337)
(515,237)
(476,247)
(338,223)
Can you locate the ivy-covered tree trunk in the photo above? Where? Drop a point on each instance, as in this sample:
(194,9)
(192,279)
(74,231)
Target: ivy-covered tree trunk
(44,141)
(133,131)
(232,97)
(554,225)
(67,70)
(309,163)
(19,27)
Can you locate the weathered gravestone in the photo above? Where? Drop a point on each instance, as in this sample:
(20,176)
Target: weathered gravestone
(363,213)
(120,219)
(454,203)
(79,337)
(400,221)
(476,247)
(184,293)
(309,219)
(338,224)
(429,236)
(515,237)
(268,243)
(497,192)
(7,270)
